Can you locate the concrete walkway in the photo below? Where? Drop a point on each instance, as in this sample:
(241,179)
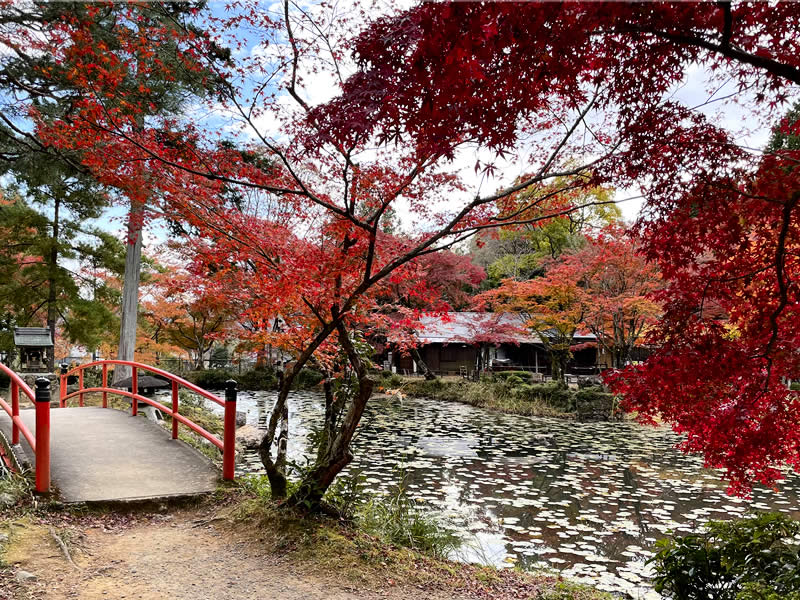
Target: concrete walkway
(102,454)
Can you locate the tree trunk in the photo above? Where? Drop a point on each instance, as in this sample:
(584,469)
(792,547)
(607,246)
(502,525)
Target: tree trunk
(276,469)
(130,291)
(558,362)
(423,368)
(335,455)
(52,295)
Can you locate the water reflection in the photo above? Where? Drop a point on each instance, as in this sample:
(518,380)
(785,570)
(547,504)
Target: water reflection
(586,499)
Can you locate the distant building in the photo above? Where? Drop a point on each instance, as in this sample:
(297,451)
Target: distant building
(466,342)
(35,346)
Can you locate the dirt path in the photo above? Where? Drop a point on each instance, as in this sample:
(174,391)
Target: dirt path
(171,557)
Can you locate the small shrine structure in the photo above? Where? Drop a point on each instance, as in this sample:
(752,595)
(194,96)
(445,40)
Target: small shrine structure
(35,346)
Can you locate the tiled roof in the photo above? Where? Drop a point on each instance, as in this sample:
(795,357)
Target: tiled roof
(32,336)
(471,327)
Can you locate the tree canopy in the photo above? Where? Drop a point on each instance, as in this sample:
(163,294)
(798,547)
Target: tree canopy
(287,195)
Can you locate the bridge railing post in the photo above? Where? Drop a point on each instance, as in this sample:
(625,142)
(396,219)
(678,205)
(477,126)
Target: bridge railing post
(62,389)
(80,387)
(14,412)
(174,410)
(42,435)
(135,390)
(105,385)
(229,432)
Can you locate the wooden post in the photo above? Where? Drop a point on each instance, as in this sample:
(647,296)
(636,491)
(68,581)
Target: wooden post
(105,385)
(135,390)
(174,410)
(63,385)
(42,435)
(80,387)
(229,433)
(14,412)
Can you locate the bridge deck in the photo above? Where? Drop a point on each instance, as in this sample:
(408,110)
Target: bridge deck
(99,454)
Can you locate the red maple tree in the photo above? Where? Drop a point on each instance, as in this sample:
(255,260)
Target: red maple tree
(572,80)
(721,221)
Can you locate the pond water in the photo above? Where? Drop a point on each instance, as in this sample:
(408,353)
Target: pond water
(586,499)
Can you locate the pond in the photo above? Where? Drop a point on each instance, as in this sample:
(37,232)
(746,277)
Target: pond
(586,499)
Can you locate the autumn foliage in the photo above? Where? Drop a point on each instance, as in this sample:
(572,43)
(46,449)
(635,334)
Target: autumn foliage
(720,221)
(284,198)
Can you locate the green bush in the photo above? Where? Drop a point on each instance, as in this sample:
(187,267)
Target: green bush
(5,380)
(795,386)
(387,379)
(553,394)
(258,379)
(211,379)
(513,381)
(424,387)
(747,559)
(523,376)
(308,378)
(594,403)
(254,379)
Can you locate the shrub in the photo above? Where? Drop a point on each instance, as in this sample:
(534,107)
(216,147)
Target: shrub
(308,378)
(594,403)
(747,559)
(525,376)
(425,387)
(219,357)
(795,386)
(5,380)
(553,394)
(254,379)
(210,379)
(387,379)
(513,381)
(258,379)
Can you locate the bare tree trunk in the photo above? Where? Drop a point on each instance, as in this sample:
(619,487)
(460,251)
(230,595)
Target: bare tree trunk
(276,469)
(335,455)
(52,294)
(130,291)
(423,368)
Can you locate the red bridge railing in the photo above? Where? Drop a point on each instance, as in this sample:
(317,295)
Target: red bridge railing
(40,442)
(228,442)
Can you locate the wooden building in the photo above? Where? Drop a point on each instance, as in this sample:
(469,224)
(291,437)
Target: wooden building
(469,342)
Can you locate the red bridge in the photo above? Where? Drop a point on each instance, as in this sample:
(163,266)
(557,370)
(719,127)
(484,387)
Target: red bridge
(93,453)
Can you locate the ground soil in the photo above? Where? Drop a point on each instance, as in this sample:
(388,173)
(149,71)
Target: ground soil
(176,556)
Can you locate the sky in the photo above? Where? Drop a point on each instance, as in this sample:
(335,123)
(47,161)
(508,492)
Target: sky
(696,90)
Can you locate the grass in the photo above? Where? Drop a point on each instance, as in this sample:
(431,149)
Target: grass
(16,486)
(373,549)
(510,392)
(525,399)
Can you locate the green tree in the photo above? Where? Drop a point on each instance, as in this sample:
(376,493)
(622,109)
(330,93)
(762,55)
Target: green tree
(140,51)
(520,252)
(54,265)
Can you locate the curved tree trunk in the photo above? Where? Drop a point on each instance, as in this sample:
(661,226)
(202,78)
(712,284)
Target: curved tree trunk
(334,454)
(423,368)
